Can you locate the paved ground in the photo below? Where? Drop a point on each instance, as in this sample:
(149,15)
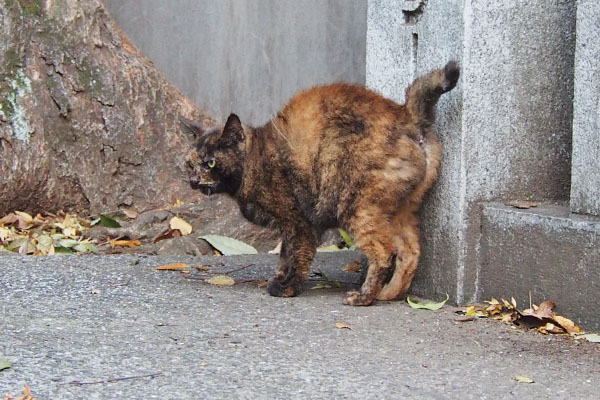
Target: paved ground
(69,323)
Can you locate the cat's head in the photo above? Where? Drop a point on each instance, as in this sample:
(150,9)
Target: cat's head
(217,163)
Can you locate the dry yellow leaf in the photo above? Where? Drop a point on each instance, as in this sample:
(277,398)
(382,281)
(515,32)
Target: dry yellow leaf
(181,225)
(70,232)
(567,324)
(509,318)
(523,379)
(470,310)
(172,267)
(177,203)
(342,325)
(221,280)
(125,243)
(5,233)
(24,216)
(130,213)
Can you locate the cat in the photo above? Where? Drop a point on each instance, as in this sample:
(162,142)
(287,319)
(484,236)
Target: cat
(336,155)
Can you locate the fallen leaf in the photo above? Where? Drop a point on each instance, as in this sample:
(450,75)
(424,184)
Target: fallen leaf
(84,247)
(228,246)
(180,224)
(68,243)
(544,310)
(464,318)
(8,219)
(5,233)
(550,328)
(125,243)
(521,204)
(523,379)
(169,234)
(567,324)
(328,281)
(470,311)
(321,286)
(172,267)
(427,305)
(24,216)
(509,317)
(62,250)
(108,222)
(592,337)
(130,213)
(276,250)
(347,239)
(202,268)
(4,364)
(342,325)
(221,280)
(177,203)
(325,249)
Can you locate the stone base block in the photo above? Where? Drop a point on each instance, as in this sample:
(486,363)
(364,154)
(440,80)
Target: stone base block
(547,251)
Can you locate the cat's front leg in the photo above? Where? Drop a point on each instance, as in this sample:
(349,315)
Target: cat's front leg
(297,252)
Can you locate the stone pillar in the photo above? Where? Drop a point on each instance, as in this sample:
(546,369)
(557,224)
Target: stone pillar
(585,180)
(506,128)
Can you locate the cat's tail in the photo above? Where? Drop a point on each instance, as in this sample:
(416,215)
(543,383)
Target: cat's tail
(425,91)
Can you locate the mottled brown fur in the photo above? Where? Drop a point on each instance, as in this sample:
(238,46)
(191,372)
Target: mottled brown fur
(334,156)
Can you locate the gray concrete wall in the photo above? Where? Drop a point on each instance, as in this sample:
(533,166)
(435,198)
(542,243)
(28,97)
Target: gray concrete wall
(585,185)
(506,129)
(248,57)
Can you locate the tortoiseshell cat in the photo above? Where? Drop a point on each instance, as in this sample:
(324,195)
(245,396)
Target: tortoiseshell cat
(335,156)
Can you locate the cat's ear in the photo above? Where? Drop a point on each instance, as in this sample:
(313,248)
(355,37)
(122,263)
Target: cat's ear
(233,131)
(192,127)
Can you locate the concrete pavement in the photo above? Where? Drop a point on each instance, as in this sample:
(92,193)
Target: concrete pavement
(112,327)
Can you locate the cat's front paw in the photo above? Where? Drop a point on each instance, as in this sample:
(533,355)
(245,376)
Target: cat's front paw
(277,288)
(354,298)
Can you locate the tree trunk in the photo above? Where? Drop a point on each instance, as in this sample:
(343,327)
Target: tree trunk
(87,123)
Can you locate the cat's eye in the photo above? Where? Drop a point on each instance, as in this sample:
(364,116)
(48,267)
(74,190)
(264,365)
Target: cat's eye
(211,163)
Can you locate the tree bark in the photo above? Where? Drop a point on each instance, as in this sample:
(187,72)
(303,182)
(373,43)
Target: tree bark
(87,123)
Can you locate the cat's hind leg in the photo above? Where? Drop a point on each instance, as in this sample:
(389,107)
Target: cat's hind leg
(406,238)
(373,236)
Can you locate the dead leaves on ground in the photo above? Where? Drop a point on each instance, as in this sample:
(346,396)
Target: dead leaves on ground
(44,235)
(540,318)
